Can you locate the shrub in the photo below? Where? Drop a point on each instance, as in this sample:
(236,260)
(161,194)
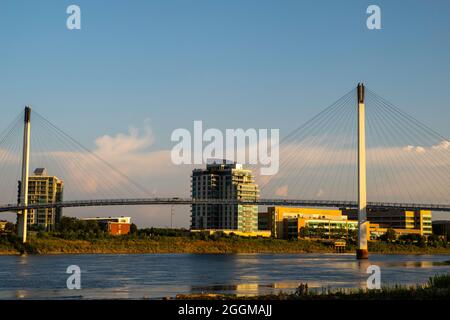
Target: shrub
(441,281)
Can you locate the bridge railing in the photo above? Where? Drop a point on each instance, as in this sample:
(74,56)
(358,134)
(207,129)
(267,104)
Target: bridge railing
(191,201)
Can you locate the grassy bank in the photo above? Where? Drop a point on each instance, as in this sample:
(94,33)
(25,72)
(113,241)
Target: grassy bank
(183,244)
(163,245)
(410,248)
(437,287)
(80,236)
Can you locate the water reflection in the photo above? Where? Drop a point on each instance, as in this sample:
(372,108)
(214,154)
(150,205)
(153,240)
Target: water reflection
(155,276)
(418,264)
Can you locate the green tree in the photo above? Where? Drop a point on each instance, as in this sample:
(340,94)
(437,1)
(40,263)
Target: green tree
(320,231)
(304,232)
(341,232)
(423,241)
(73,228)
(434,240)
(133,229)
(10,227)
(352,235)
(390,235)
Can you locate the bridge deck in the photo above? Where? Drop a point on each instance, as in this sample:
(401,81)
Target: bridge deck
(189,201)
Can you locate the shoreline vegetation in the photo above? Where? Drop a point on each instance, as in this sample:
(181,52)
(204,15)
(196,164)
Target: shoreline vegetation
(75,236)
(178,244)
(437,288)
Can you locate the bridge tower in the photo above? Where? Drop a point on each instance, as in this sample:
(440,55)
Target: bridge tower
(22,216)
(362,251)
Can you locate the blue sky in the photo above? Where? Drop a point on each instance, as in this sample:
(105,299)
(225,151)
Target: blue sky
(255,63)
(260,64)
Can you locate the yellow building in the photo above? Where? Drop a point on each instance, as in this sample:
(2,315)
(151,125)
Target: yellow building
(288,222)
(376,231)
(43,188)
(404,221)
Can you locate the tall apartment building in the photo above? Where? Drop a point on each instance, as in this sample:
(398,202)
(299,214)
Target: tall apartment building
(43,188)
(224,180)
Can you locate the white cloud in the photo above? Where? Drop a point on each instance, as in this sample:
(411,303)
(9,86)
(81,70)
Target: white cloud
(417,149)
(411,173)
(122,144)
(134,154)
(442,145)
(130,153)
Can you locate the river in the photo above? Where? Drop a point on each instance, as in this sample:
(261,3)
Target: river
(154,276)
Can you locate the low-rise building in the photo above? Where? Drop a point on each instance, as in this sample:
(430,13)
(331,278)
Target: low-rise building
(404,221)
(114,225)
(291,222)
(377,231)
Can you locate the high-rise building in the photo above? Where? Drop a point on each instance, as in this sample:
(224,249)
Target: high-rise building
(43,188)
(224,180)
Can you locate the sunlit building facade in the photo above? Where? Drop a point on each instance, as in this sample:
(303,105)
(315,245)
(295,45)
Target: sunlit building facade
(43,188)
(226,181)
(292,222)
(414,221)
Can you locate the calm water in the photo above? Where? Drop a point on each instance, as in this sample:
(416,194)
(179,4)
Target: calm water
(161,275)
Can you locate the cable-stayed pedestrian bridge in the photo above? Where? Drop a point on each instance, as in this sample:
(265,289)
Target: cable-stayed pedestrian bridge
(190,201)
(360,152)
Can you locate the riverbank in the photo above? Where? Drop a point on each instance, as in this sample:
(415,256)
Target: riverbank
(166,244)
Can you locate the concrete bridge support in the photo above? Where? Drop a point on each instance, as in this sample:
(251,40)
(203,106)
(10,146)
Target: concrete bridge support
(23,216)
(362,250)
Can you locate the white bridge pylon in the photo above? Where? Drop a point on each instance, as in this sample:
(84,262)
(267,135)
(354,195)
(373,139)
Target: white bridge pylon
(362,250)
(23,214)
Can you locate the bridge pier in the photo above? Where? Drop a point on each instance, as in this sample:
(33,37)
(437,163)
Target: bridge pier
(362,251)
(23,216)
